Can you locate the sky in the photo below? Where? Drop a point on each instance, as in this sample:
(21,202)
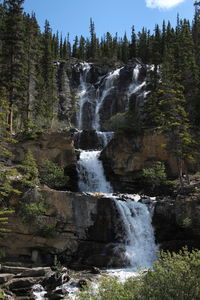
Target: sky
(112,16)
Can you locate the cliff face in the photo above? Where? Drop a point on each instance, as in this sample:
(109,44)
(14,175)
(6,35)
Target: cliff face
(56,146)
(176,222)
(126,155)
(77,228)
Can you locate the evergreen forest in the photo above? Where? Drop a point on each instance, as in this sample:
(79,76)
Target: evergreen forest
(29,57)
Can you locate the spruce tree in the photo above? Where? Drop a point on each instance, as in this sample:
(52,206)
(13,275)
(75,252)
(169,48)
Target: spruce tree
(133,46)
(31,61)
(12,68)
(46,105)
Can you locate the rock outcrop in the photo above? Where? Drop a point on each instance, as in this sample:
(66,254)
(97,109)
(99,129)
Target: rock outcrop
(75,227)
(56,146)
(177,222)
(126,155)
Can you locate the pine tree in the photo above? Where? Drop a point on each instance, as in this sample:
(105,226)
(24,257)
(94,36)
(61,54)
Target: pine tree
(143,45)
(75,47)
(7,173)
(55,45)
(12,72)
(82,48)
(29,170)
(46,104)
(93,40)
(133,47)
(196,31)
(31,61)
(125,49)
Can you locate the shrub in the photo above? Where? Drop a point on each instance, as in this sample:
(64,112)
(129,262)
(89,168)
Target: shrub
(52,175)
(2,295)
(30,211)
(127,122)
(154,175)
(46,231)
(175,276)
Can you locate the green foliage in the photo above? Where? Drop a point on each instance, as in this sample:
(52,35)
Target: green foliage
(154,175)
(127,122)
(29,170)
(52,175)
(46,231)
(7,178)
(30,211)
(186,222)
(174,276)
(2,295)
(4,213)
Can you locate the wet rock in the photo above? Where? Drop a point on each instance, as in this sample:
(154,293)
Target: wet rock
(95,270)
(82,283)
(5,277)
(56,294)
(54,280)
(35,272)
(87,139)
(20,286)
(13,269)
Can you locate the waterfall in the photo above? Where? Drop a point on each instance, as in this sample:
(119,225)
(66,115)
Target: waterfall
(108,84)
(135,86)
(138,234)
(85,68)
(91,173)
(105,137)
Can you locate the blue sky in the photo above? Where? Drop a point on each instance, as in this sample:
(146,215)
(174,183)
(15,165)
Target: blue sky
(73,16)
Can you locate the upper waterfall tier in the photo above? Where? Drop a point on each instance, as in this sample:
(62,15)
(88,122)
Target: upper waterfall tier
(103,94)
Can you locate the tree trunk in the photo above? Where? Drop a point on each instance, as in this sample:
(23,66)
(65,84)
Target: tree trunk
(10,119)
(180,169)
(186,173)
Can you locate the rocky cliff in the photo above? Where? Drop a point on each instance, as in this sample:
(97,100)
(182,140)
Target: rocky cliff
(176,222)
(126,155)
(78,228)
(56,146)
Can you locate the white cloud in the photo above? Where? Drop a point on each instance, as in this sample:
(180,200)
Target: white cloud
(163,4)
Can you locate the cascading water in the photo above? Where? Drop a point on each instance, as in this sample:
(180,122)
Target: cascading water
(138,234)
(108,84)
(135,86)
(105,137)
(135,219)
(84,67)
(91,173)
(90,169)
